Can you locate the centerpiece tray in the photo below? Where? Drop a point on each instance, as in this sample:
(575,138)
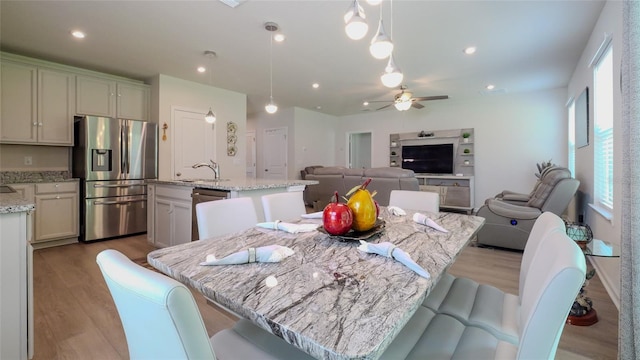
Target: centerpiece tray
(353,235)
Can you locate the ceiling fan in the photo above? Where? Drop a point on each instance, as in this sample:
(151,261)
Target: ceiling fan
(405,100)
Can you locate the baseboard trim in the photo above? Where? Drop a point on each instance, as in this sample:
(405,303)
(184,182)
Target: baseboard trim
(607,282)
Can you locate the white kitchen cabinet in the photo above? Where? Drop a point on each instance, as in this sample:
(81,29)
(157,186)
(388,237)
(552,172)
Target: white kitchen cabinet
(151,201)
(16,307)
(56,220)
(111,98)
(37,105)
(172,218)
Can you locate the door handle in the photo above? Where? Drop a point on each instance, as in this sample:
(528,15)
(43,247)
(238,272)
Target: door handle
(117,202)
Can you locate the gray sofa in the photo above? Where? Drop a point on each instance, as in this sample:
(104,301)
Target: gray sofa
(510,216)
(341,179)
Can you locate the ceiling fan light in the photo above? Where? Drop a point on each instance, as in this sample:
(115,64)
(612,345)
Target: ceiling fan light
(392,76)
(356,25)
(271,107)
(402,105)
(210,117)
(381,46)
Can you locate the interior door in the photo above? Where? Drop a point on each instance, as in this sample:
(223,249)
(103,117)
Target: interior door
(251,155)
(360,150)
(275,153)
(193,142)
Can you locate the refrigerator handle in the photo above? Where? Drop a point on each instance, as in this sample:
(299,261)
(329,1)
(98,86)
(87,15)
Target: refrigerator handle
(123,140)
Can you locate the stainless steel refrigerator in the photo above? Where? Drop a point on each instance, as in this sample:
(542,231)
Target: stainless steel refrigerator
(113,159)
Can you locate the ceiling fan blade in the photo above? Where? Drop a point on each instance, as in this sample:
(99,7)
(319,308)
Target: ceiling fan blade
(384,107)
(417,105)
(372,101)
(437,97)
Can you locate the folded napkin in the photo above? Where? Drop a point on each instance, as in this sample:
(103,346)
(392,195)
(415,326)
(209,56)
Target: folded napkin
(271,253)
(288,227)
(424,220)
(394,210)
(391,251)
(314,215)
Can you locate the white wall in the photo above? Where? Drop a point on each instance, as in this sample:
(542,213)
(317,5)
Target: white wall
(228,106)
(610,21)
(311,137)
(513,132)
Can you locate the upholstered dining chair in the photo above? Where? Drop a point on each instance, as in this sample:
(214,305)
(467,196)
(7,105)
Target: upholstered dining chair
(484,305)
(415,200)
(222,217)
(552,283)
(162,321)
(283,206)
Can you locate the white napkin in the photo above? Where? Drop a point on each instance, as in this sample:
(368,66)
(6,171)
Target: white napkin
(394,210)
(271,253)
(314,215)
(391,251)
(424,220)
(288,227)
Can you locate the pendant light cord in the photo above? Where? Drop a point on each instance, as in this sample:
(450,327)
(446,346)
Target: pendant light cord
(271,65)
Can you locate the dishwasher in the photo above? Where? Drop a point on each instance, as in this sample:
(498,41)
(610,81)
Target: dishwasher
(200,195)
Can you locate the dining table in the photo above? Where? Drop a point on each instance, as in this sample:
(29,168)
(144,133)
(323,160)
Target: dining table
(328,298)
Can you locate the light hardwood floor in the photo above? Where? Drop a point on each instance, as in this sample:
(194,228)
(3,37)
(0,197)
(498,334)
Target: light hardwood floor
(75,317)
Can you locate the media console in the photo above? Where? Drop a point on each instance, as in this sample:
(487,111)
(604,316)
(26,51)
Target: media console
(456,182)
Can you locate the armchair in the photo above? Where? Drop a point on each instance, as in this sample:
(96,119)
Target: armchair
(509,221)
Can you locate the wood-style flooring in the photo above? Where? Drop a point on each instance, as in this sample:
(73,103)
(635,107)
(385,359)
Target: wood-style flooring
(75,317)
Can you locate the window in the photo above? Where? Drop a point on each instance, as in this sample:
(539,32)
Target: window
(603,130)
(571,161)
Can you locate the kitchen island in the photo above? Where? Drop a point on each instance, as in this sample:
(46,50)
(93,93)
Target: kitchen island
(170,212)
(16,307)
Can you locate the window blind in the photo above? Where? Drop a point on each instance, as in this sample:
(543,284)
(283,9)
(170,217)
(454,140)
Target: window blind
(603,130)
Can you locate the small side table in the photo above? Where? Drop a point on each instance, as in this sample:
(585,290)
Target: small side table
(597,248)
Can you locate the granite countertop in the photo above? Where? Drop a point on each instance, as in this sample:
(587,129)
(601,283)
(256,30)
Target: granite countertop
(241,184)
(26,177)
(14,202)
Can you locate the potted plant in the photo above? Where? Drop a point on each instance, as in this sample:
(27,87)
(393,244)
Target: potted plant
(467,151)
(465,136)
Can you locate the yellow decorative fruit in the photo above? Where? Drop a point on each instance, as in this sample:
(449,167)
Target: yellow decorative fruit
(363,208)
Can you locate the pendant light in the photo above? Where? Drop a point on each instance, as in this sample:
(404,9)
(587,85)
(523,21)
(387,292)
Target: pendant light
(271,107)
(356,26)
(392,76)
(211,116)
(381,45)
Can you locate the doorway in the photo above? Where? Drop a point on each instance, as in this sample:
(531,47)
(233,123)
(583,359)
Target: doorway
(359,150)
(193,142)
(275,150)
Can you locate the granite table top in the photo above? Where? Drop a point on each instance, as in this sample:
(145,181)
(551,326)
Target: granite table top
(239,184)
(328,299)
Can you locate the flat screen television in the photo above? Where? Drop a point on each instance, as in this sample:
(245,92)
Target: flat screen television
(428,159)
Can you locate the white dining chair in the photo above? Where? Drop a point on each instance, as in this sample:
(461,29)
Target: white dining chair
(552,284)
(415,200)
(484,305)
(283,206)
(161,319)
(223,217)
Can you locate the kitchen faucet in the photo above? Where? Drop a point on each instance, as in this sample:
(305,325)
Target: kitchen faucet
(214,166)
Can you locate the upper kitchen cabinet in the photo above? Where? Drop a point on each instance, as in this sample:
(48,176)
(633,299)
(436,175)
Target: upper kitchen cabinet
(37,105)
(106,97)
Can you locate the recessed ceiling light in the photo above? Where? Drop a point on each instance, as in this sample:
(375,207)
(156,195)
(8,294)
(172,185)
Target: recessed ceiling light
(78,34)
(279,37)
(490,87)
(201,69)
(366,103)
(470,50)
(319,107)
(315,85)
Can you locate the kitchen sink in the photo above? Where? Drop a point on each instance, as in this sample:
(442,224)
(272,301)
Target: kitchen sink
(6,189)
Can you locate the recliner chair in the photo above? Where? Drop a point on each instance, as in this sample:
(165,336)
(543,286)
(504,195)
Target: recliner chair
(509,222)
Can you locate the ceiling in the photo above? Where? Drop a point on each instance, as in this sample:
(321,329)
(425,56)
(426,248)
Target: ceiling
(522,45)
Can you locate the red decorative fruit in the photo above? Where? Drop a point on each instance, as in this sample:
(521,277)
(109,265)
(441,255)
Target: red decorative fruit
(337,218)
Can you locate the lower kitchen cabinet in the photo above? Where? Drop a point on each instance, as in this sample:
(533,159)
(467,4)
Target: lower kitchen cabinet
(55,221)
(172,215)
